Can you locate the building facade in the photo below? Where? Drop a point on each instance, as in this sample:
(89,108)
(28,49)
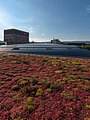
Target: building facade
(14,36)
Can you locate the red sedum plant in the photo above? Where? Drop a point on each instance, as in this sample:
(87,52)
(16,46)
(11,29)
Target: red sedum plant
(34,87)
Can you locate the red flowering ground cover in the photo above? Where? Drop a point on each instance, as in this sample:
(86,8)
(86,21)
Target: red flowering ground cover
(44,88)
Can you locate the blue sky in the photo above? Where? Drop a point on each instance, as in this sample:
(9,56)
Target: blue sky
(47,19)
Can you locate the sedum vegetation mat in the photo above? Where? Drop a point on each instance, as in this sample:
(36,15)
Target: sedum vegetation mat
(44,88)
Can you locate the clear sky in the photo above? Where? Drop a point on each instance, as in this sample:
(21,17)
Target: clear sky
(47,19)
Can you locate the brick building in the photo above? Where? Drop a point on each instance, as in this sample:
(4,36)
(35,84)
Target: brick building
(14,36)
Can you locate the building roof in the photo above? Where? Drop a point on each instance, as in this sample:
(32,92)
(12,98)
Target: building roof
(15,30)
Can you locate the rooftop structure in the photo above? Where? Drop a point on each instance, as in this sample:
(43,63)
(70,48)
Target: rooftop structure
(55,41)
